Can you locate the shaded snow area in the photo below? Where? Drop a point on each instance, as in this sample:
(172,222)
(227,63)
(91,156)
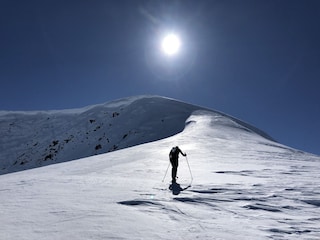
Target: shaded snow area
(34,139)
(245,186)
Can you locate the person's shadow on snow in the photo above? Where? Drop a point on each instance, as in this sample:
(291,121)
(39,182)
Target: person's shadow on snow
(176,188)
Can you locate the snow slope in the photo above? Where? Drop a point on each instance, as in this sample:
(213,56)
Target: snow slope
(34,139)
(245,186)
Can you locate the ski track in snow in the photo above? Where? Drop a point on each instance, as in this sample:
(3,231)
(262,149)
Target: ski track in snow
(244,187)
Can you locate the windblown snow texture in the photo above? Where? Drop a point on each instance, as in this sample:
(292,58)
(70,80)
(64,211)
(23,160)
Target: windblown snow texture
(245,185)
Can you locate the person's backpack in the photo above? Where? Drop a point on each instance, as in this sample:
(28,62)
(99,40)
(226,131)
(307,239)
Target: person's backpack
(173,152)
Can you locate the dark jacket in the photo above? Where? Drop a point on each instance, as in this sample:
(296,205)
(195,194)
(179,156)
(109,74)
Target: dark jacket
(174,153)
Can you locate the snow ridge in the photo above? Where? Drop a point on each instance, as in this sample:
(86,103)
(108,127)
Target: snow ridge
(38,138)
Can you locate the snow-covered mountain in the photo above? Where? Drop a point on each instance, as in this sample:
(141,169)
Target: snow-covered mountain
(34,139)
(244,185)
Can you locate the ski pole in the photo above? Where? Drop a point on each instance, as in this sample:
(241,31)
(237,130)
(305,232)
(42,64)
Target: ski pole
(166,172)
(189,170)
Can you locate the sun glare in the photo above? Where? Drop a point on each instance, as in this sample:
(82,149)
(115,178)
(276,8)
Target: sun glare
(171,44)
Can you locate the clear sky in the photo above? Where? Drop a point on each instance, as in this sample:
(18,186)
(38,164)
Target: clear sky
(256,60)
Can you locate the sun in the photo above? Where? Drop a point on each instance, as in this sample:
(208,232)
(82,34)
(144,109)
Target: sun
(171,44)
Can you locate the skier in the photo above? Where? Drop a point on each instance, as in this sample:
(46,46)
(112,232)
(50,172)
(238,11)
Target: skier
(174,156)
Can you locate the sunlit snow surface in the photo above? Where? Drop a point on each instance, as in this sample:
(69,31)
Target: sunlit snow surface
(244,187)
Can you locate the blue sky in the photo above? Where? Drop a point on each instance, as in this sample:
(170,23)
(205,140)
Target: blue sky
(256,60)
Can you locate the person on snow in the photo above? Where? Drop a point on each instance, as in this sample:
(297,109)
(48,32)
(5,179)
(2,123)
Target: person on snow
(174,156)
